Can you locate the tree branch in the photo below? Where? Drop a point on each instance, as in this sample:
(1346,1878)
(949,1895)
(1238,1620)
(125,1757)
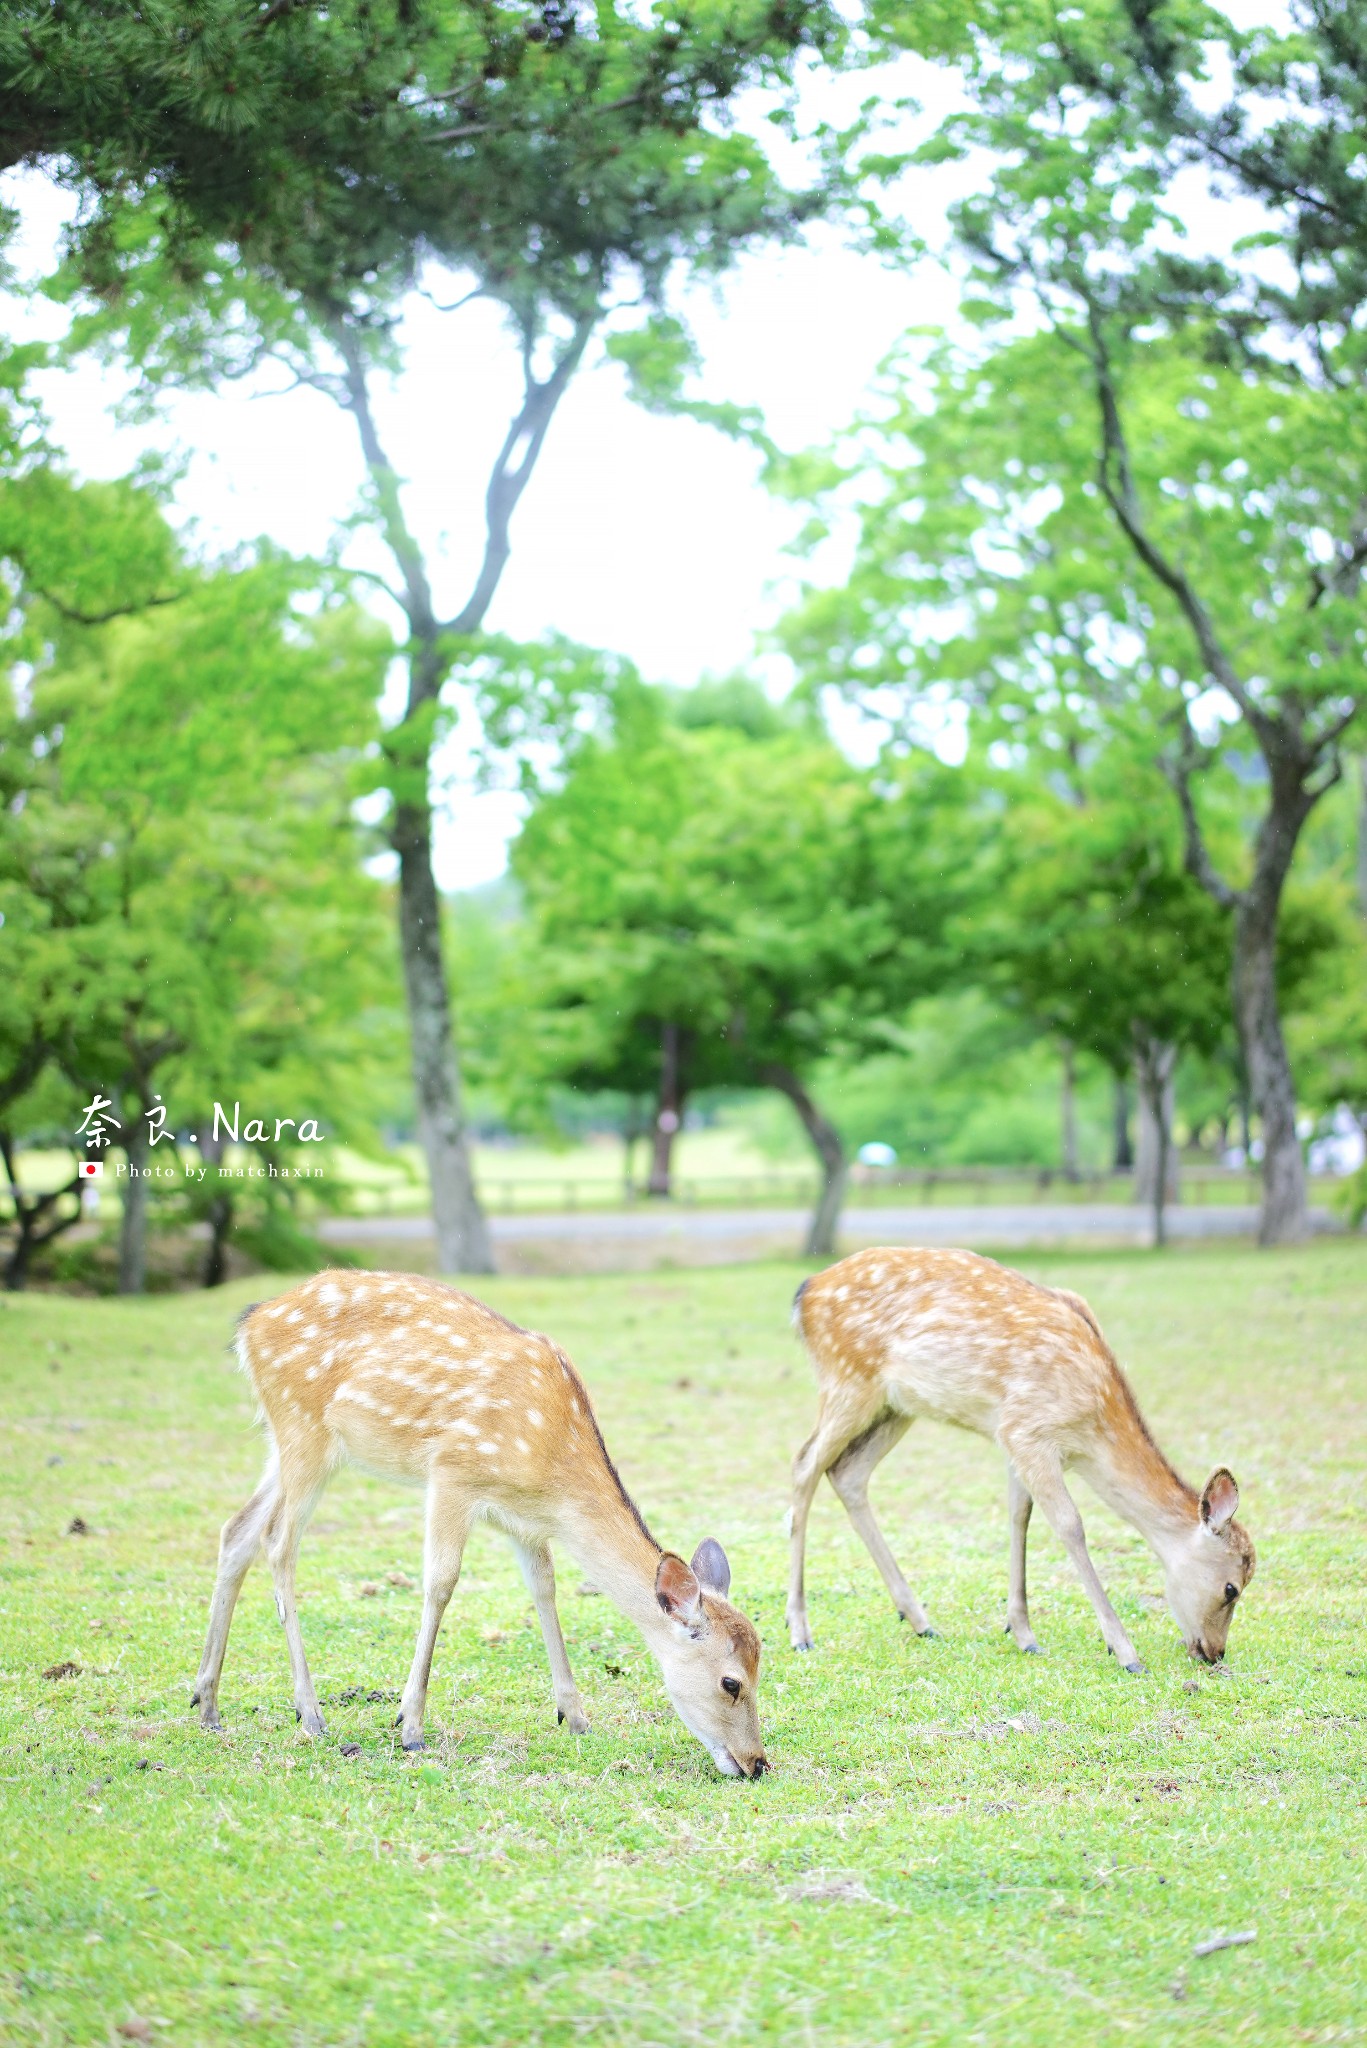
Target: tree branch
(417,598)
(512,471)
(115,611)
(1199,864)
(469,128)
(29,1210)
(1116,479)
(1328,740)
(380,582)
(305,379)
(1333,579)
(475,292)
(1333,775)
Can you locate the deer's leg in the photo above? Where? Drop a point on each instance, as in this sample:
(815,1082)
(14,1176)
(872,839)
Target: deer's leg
(850,1475)
(807,1472)
(302,1473)
(237,1547)
(1019,1502)
(1043,1476)
(539,1572)
(448,1525)
(832,1433)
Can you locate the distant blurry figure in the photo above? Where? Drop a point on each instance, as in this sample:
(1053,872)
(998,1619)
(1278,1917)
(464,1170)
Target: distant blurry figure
(1343,1150)
(877,1154)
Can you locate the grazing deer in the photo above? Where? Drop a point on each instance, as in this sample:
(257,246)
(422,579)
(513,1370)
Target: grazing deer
(420,1383)
(897,1334)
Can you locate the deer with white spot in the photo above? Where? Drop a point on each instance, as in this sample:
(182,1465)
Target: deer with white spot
(897,1334)
(418,1382)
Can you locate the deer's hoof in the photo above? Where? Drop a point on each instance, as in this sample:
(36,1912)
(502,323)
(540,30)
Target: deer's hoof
(414,1744)
(930,1635)
(1032,1649)
(1137,1670)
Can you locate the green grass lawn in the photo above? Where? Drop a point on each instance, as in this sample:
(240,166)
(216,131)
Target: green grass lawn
(957,1843)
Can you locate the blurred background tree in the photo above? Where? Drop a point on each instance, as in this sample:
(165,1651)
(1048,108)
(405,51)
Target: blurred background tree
(1006,565)
(1056,814)
(726,901)
(563,175)
(180,872)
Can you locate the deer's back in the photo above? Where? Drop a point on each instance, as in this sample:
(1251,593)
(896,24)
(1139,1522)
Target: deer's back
(958,1337)
(401,1373)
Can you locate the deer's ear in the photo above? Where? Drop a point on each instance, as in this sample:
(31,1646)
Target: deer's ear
(1219,1501)
(678,1591)
(710,1567)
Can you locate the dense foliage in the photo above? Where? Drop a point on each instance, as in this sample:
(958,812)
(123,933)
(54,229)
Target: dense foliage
(1101,596)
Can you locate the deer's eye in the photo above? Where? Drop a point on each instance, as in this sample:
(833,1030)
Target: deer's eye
(1231,1595)
(732,1686)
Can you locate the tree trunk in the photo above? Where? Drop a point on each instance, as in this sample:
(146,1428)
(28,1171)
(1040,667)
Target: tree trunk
(1155,1065)
(220,1212)
(1068,1108)
(668,1114)
(133,1222)
(33,1234)
(463,1243)
(1123,1151)
(1293,794)
(25,1221)
(826,1143)
(1257,1014)
(634,1126)
(1285,1219)
(462,1234)
(220,1224)
(37,1218)
(16,1265)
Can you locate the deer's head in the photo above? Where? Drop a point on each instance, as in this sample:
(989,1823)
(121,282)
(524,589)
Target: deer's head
(1210,1570)
(709,1656)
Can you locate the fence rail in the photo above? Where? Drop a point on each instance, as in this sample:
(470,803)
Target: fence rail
(868,1187)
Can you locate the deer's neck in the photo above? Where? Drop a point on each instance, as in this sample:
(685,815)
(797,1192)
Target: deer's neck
(617,1553)
(1131,1475)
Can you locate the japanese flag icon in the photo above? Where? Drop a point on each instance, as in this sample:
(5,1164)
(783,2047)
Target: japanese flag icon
(89,1169)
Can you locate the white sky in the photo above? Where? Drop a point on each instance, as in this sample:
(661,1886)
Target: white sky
(653,537)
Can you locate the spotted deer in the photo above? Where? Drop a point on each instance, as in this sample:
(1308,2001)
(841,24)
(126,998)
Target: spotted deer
(420,1383)
(898,1334)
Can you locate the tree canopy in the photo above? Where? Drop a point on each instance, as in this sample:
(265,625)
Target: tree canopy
(718,905)
(184,911)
